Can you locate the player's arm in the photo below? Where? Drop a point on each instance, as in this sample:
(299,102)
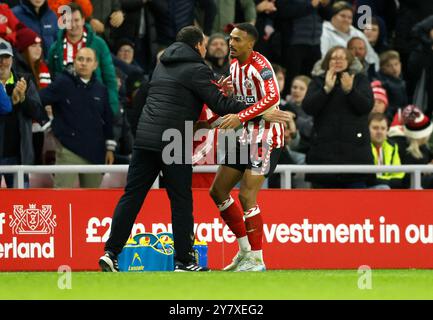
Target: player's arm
(270,99)
(205,88)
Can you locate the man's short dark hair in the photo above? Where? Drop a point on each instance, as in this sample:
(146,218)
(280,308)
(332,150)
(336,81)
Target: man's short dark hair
(76,7)
(249,29)
(377,116)
(191,35)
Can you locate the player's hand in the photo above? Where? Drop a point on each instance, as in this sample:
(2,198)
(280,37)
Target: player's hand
(109,157)
(226,85)
(230,121)
(8,30)
(279,116)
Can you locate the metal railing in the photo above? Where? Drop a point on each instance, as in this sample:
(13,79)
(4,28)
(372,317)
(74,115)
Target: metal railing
(285,170)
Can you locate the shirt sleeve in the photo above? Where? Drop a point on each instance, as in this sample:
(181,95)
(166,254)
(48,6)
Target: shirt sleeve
(271,97)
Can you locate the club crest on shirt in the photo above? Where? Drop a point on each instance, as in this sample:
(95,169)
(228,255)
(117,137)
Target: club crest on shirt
(3,19)
(248,84)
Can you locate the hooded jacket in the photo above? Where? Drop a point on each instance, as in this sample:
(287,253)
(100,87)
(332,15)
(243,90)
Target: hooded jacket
(180,85)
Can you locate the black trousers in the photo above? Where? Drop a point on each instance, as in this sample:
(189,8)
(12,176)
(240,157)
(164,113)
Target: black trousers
(144,168)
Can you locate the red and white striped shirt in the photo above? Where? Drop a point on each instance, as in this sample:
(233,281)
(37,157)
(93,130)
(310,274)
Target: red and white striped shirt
(255,84)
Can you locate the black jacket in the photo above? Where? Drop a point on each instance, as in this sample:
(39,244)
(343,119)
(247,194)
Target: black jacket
(340,132)
(180,85)
(83,120)
(23,113)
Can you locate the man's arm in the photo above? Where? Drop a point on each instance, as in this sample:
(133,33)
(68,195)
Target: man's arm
(32,106)
(204,87)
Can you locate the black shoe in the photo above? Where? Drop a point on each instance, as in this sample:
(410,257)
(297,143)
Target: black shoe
(189,267)
(108,263)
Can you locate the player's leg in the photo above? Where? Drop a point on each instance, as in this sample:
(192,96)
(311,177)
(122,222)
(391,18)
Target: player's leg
(225,180)
(250,186)
(178,180)
(252,181)
(144,168)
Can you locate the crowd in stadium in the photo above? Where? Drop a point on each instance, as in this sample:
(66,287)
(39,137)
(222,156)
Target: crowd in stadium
(359,85)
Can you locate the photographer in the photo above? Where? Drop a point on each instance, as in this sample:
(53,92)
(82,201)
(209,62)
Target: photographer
(340,100)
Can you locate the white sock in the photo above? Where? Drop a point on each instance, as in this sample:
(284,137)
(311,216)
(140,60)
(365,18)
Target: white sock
(244,244)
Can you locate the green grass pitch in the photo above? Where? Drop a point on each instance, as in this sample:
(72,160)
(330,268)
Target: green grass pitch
(287,284)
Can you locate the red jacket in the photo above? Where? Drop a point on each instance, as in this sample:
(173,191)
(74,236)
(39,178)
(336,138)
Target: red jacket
(8,20)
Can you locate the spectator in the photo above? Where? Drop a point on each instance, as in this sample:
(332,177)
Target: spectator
(107,15)
(8,24)
(358,47)
(82,120)
(296,139)
(139,27)
(382,11)
(29,59)
(36,15)
(63,51)
(206,11)
(266,11)
(420,69)
(5,102)
(392,81)
(16,126)
(385,152)
(340,30)
(125,57)
(300,24)
(418,129)
(218,55)
(375,33)
(304,122)
(86,5)
(409,13)
(380,97)
(226,14)
(340,103)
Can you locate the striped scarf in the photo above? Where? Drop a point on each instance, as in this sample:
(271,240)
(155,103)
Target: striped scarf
(70,49)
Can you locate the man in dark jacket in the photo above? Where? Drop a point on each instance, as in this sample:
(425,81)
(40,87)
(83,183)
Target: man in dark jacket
(181,83)
(82,121)
(16,145)
(62,52)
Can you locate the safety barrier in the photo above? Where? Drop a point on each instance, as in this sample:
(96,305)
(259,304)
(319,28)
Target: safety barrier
(285,170)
